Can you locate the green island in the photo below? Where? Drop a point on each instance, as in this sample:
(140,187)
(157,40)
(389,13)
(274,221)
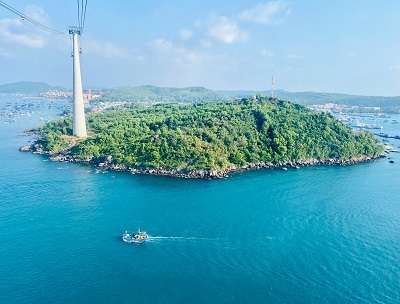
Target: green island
(208,140)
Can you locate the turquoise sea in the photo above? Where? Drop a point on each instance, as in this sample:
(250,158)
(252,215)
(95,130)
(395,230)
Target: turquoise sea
(315,235)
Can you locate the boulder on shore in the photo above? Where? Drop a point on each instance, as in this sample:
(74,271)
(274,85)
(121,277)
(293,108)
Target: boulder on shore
(25,148)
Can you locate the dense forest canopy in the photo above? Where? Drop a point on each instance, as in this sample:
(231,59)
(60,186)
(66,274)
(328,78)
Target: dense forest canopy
(211,136)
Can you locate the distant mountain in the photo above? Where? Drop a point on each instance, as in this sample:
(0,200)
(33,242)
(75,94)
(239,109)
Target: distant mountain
(149,90)
(149,93)
(154,94)
(309,98)
(27,87)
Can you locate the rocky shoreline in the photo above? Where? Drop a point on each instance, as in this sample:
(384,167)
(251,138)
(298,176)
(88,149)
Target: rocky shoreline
(107,164)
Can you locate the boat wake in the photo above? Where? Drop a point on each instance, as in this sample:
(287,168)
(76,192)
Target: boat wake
(142,237)
(183,238)
(150,238)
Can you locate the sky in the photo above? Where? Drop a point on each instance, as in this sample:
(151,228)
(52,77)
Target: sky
(308,45)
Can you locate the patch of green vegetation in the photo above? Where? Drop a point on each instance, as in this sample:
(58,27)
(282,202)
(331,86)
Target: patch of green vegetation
(54,136)
(212,136)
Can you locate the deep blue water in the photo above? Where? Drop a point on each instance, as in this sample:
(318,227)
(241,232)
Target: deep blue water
(316,235)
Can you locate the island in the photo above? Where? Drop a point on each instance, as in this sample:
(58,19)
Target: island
(208,139)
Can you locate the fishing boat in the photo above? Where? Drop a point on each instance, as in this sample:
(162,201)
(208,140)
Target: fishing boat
(136,237)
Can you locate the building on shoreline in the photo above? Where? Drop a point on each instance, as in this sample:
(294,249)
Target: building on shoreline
(88,95)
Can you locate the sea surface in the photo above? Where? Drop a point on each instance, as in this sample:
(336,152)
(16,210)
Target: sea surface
(315,235)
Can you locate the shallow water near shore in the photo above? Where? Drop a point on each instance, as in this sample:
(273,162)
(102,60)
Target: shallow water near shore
(314,235)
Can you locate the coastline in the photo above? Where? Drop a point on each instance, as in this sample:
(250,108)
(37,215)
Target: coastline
(108,165)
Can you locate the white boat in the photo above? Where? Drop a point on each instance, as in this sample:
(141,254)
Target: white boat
(137,237)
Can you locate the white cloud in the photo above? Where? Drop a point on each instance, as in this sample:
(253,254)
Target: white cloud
(37,13)
(179,54)
(104,49)
(185,34)
(161,44)
(225,30)
(16,31)
(266,13)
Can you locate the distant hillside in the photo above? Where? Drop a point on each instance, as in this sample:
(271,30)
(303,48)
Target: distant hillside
(309,98)
(150,93)
(154,94)
(26,87)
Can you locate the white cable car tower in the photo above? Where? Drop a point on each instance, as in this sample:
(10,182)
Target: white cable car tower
(79,121)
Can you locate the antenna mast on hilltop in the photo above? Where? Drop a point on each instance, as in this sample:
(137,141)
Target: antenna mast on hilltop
(273,87)
(79,121)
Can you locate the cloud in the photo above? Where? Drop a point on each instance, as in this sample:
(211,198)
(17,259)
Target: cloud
(185,34)
(225,30)
(16,31)
(104,49)
(37,13)
(179,54)
(161,44)
(266,13)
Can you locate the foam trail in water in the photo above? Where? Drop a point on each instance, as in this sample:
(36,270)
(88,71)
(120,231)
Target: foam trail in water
(178,238)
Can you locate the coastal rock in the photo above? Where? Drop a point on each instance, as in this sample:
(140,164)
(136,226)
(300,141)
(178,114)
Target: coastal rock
(117,167)
(107,164)
(59,158)
(25,148)
(37,149)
